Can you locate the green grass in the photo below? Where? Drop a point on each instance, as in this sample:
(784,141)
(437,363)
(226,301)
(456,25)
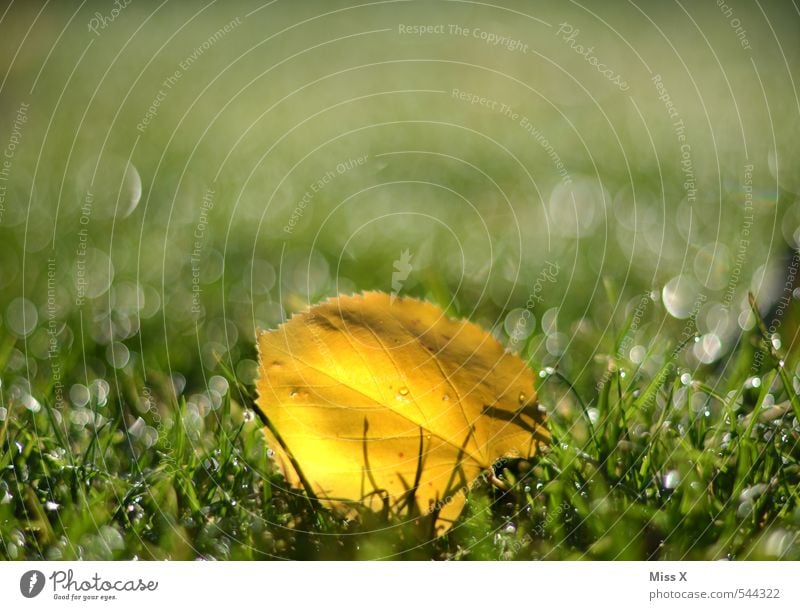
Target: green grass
(671,468)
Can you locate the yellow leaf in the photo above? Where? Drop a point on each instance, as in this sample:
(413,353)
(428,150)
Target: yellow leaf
(388,403)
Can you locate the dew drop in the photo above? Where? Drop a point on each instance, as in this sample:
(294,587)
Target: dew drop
(21,317)
(708,348)
(672,479)
(114,184)
(752,382)
(678,296)
(118,355)
(403,391)
(31,403)
(446,397)
(521,397)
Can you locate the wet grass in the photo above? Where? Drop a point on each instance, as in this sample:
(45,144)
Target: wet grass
(652,462)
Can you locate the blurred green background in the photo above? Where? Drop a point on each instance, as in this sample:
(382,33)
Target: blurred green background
(178,175)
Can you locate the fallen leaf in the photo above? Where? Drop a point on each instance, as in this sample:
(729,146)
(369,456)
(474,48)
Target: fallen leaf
(388,403)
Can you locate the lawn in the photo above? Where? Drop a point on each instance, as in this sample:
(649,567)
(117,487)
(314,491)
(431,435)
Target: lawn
(175,178)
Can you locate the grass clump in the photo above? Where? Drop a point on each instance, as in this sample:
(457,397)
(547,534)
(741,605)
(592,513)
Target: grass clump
(650,461)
